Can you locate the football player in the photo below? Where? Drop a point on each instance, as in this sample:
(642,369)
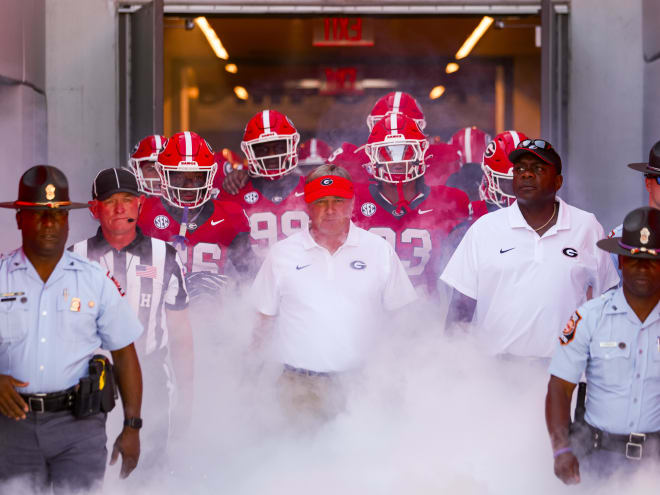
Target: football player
(273,194)
(411,215)
(472,142)
(206,232)
(142,163)
(311,154)
(352,157)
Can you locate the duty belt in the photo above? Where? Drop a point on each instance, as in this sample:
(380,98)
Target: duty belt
(631,445)
(302,371)
(51,402)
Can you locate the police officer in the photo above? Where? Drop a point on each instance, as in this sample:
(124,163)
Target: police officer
(615,340)
(56,309)
(651,171)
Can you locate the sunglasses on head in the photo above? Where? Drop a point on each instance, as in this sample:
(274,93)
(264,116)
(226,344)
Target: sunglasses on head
(533,144)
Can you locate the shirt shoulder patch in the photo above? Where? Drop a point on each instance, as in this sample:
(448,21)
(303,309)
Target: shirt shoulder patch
(568,334)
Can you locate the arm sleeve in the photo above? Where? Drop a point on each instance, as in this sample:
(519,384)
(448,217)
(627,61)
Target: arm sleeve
(116,323)
(462,271)
(176,295)
(398,290)
(570,358)
(265,288)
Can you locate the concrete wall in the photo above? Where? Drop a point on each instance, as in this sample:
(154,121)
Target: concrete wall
(606,108)
(22,101)
(81,87)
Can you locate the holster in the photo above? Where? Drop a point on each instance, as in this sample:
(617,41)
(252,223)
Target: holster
(97,391)
(580,434)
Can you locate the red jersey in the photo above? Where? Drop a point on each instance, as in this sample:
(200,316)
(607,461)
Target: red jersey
(345,157)
(417,234)
(273,219)
(207,237)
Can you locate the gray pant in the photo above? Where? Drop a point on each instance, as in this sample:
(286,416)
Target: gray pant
(53,449)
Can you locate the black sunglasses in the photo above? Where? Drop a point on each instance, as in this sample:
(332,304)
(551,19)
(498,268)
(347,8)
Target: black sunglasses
(533,144)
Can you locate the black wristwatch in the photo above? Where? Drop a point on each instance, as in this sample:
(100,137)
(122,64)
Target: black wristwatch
(133,423)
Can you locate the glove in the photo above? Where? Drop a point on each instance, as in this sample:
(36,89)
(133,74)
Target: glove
(201,284)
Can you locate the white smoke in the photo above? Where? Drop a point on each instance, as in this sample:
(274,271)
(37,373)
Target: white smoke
(428,414)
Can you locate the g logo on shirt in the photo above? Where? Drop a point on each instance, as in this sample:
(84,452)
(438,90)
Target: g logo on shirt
(358,265)
(161,222)
(570,252)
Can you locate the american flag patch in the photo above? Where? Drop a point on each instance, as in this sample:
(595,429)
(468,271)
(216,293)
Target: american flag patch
(146,271)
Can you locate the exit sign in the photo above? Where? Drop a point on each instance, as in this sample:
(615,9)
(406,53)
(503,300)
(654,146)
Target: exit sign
(343,31)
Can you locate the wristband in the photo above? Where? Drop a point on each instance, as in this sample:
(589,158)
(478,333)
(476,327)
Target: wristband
(561,451)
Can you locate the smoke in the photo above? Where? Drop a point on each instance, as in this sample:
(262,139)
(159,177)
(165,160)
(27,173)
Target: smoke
(428,414)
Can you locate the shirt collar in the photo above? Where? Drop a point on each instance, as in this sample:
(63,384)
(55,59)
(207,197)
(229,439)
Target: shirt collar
(619,304)
(516,219)
(352,239)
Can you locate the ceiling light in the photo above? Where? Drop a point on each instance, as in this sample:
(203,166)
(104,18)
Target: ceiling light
(212,38)
(231,68)
(474,38)
(451,67)
(437,92)
(241,93)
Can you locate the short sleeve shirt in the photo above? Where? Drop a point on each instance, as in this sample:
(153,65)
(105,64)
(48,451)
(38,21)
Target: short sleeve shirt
(49,331)
(328,306)
(527,286)
(620,356)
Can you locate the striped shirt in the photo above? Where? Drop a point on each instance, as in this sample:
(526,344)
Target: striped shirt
(151,273)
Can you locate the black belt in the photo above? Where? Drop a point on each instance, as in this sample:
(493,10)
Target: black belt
(51,402)
(302,371)
(631,445)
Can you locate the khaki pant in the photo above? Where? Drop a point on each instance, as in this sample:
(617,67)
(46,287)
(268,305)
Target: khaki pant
(310,400)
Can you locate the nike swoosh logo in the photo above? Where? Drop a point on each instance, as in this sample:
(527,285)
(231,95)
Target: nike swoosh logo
(299,194)
(216,223)
(298,267)
(421,212)
(506,250)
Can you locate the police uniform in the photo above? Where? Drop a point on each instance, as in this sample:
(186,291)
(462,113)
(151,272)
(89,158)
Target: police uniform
(620,356)
(48,333)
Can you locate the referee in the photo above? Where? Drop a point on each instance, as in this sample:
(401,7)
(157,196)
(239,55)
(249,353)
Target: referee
(151,273)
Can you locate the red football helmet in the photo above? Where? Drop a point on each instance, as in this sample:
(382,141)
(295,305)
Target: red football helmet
(497,185)
(396,102)
(270,144)
(186,167)
(396,149)
(314,152)
(142,163)
(472,142)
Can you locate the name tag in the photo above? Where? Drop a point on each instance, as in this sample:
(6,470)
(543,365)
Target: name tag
(609,344)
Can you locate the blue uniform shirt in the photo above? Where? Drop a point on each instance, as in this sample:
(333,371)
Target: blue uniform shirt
(621,357)
(616,232)
(48,332)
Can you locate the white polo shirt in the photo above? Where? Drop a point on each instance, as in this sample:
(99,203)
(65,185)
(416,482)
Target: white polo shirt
(526,286)
(329,306)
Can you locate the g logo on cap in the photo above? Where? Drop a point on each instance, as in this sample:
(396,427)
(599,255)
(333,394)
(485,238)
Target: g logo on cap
(327,181)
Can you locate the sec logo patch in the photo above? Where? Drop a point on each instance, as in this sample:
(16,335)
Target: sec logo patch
(161,222)
(368,209)
(251,198)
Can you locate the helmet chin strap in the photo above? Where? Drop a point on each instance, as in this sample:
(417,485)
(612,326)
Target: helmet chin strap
(179,241)
(401,202)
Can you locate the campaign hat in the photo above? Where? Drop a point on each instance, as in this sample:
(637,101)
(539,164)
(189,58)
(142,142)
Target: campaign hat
(640,237)
(43,187)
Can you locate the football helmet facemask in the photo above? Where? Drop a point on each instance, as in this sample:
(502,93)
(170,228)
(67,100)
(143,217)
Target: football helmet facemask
(497,188)
(142,163)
